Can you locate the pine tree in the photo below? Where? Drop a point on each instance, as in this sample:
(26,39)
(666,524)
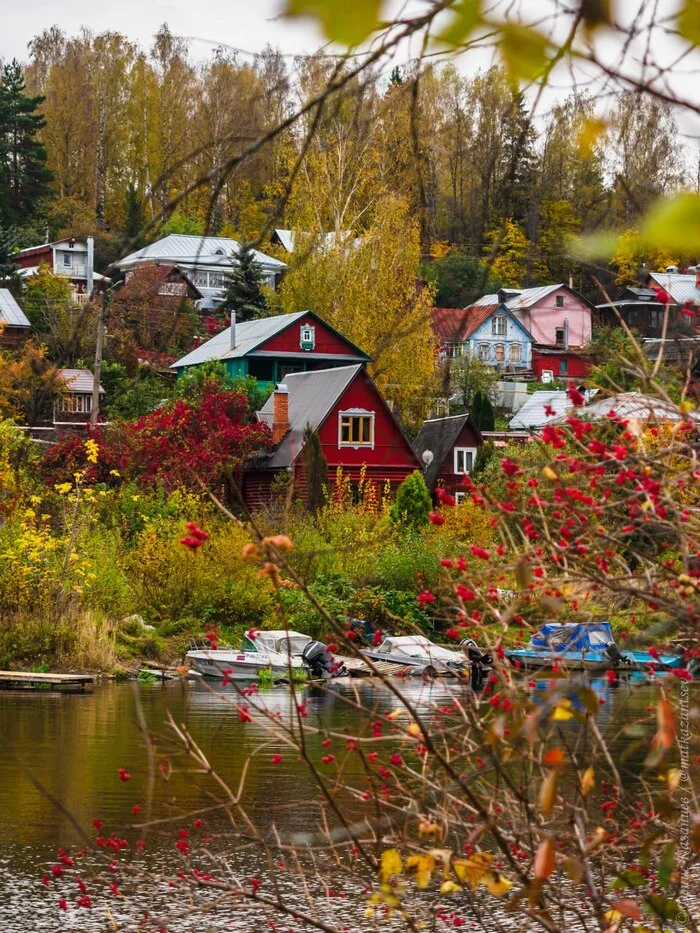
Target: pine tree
(24,178)
(515,193)
(315,471)
(9,272)
(135,218)
(243,286)
(482,412)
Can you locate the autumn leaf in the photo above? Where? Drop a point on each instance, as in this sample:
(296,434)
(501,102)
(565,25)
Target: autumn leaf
(465,16)
(474,869)
(628,908)
(421,867)
(588,780)
(449,887)
(548,791)
(497,885)
(665,732)
(347,23)
(544,860)
(689,21)
(554,758)
(524,51)
(391,864)
(562,711)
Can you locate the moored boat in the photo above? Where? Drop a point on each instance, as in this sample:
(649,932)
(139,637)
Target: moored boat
(419,653)
(586,646)
(277,651)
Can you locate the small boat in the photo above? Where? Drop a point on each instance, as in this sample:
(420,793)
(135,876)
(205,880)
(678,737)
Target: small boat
(586,646)
(419,653)
(276,651)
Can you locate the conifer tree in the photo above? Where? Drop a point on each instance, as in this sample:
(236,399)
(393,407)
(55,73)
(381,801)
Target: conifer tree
(24,178)
(135,218)
(9,272)
(315,471)
(412,504)
(243,285)
(482,412)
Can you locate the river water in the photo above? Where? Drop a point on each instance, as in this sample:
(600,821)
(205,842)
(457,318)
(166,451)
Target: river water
(75,744)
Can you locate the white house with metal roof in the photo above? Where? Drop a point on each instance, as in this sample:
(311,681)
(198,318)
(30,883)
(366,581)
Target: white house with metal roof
(205,259)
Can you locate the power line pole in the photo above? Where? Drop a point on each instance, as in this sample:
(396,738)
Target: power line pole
(97,372)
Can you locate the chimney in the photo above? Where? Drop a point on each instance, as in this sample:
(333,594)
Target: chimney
(280,413)
(90,265)
(233,330)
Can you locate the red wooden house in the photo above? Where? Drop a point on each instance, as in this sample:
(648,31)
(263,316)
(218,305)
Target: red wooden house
(272,348)
(355,426)
(447,449)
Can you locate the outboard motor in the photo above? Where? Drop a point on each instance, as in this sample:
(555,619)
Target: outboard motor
(479,661)
(319,664)
(615,655)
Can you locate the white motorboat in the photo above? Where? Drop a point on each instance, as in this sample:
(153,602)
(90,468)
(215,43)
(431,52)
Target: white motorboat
(418,652)
(276,651)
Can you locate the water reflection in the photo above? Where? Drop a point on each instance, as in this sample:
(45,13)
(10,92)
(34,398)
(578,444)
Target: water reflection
(75,744)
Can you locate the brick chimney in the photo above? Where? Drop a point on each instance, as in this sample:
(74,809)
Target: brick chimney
(280,413)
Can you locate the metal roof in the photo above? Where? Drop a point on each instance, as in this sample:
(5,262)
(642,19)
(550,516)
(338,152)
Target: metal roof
(249,335)
(78,380)
(532,414)
(680,287)
(312,396)
(525,298)
(635,406)
(439,436)
(10,311)
(196,250)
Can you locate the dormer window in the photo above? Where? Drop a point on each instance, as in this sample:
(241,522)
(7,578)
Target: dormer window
(356,428)
(307,337)
(499,326)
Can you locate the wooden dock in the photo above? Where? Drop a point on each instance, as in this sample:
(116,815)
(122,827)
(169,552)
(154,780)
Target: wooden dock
(14,680)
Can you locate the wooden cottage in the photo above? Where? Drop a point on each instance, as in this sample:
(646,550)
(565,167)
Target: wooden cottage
(14,324)
(447,449)
(356,428)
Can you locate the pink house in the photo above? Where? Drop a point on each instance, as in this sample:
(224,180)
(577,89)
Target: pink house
(555,315)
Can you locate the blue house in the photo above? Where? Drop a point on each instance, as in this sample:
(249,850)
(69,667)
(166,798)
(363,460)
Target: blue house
(491,333)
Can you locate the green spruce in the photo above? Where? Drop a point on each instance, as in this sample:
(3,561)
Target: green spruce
(243,286)
(24,177)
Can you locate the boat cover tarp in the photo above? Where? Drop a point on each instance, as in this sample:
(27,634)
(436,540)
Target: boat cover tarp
(573,636)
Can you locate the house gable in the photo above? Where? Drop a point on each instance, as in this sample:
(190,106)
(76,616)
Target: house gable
(453,441)
(389,450)
(501,339)
(561,317)
(324,341)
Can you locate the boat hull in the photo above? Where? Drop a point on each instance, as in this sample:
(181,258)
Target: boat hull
(419,665)
(237,665)
(593,661)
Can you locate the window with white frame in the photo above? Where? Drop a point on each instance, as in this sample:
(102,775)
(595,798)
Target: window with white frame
(307,337)
(499,326)
(500,352)
(356,428)
(75,404)
(464,459)
(484,351)
(515,352)
(67,261)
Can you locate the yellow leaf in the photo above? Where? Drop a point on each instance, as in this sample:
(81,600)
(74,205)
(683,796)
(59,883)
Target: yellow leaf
(497,884)
(689,21)
(613,916)
(562,711)
(347,23)
(591,130)
(673,224)
(465,16)
(391,864)
(524,51)
(587,780)
(548,791)
(474,869)
(421,866)
(549,473)
(449,887)
(428,828)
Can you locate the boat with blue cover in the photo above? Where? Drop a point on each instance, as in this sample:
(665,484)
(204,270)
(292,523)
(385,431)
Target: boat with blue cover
(586,646)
